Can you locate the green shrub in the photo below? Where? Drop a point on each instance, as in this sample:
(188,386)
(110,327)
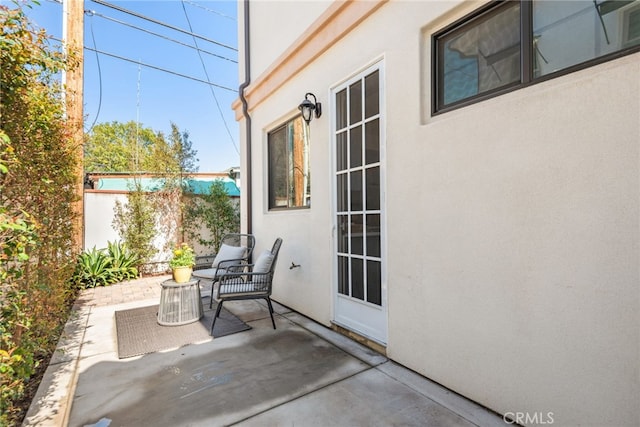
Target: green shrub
(123,261)
(102,267)
(38,219)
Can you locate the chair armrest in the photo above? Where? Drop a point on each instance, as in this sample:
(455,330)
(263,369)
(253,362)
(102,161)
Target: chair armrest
(237,264)
(242,261)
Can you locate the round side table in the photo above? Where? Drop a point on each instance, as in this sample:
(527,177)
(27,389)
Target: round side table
(180,303)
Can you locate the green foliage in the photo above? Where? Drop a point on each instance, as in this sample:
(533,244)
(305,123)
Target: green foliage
(215,211)
(17,364)
(183,151)
(121,147)
(92,269)
(37,181)
(102,267)
(135,222)
(17,361)
(123,261)
(131,147)
(183,256)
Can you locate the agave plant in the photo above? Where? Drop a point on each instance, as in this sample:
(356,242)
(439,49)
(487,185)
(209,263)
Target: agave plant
(101,267)
(93,269)
(123,261)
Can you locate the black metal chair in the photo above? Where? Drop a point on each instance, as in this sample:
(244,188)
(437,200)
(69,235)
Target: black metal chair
(235,249)
(255,281)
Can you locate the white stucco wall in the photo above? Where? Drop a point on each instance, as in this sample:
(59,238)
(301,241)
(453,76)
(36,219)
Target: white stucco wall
(513,225)
(271,37)
(99,214)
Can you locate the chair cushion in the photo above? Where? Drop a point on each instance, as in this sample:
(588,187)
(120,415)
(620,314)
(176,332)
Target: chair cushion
(263,263)
(229,252)
(208,273)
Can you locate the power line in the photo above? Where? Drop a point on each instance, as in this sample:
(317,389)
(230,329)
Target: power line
(93,12)
(211,87)
(113,55)
(210,10)
(99,78)
(164,24)
(161,69)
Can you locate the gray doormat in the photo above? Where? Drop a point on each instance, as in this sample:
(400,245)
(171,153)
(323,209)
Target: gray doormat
(138,331)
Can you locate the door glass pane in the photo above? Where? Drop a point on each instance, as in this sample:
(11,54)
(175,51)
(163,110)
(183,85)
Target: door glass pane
(372,142)
(357,233)
(371,95)
(567,33)
(343,233)
(341,192)
(358,181)
(355,102)
(373,188)
(341,109)
(355,135)
(373,235)
(357,278)
(481,56)
(374,282)
(343,275)
(356,190)
(341,151)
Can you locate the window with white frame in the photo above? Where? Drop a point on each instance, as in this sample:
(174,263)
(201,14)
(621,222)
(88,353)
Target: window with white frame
(288,165)
(508,44)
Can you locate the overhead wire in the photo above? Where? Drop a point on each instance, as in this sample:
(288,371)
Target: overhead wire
(161,69)
(113,55)
(190,32)
(164,24)
(93,38)
(210,10)
(93,12)
(211,87)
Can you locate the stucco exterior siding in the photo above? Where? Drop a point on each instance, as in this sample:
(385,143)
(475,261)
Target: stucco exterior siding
(271,37)
(527,207)
(99,215)
(512,225)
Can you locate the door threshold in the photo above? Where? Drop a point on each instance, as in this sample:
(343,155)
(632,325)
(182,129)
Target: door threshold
(361,339)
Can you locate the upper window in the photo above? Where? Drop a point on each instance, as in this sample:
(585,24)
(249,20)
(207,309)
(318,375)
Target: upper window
(508,44)
(289,174)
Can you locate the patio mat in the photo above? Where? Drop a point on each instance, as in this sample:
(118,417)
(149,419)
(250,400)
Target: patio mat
(138,331)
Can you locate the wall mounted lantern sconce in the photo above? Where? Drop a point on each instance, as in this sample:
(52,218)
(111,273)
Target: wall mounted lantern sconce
(307,107)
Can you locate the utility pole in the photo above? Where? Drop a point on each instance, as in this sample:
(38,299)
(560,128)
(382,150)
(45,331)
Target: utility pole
(73,36)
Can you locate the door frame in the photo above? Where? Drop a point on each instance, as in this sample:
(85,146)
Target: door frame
(360,321)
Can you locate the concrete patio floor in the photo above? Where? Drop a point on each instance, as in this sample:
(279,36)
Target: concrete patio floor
(300,374)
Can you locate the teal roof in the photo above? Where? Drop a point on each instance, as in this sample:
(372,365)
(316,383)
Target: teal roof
(198,186)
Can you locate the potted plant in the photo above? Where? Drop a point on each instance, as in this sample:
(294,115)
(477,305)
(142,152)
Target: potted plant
(182,263)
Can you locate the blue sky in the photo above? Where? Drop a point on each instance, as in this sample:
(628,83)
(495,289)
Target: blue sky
(118,90)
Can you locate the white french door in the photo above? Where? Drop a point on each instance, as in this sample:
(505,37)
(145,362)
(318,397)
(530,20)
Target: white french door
(359,274)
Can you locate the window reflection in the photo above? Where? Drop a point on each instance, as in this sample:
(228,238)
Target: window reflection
(482,56)
(289,172)
(567,33)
